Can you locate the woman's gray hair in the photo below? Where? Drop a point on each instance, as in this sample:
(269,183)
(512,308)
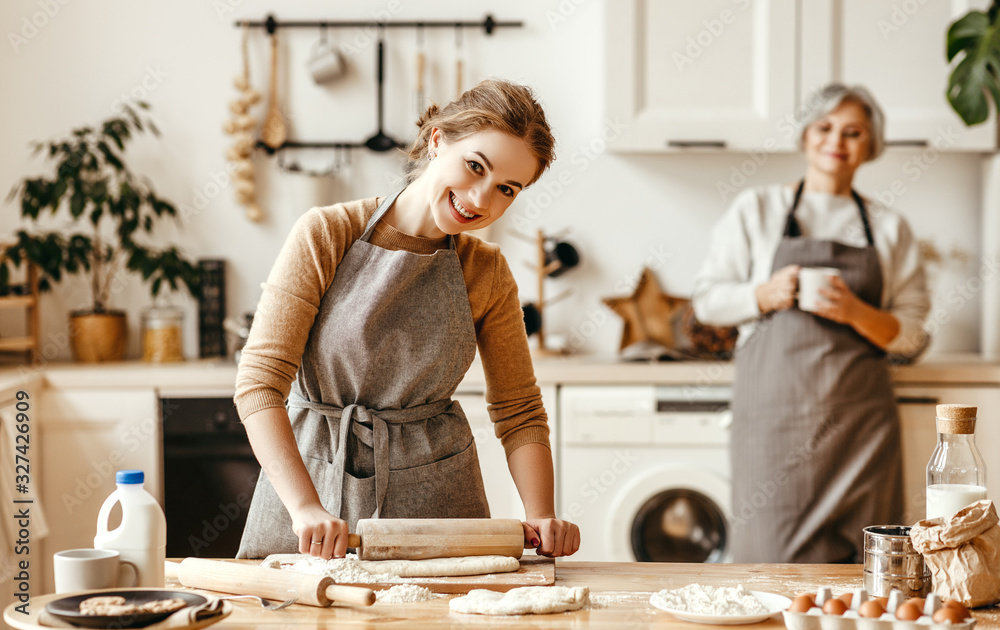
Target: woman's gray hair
(830,97)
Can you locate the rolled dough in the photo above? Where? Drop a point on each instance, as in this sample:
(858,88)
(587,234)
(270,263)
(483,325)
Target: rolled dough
(433,567)
(522,601)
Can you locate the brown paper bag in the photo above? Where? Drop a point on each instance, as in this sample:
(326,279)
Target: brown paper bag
(963,553)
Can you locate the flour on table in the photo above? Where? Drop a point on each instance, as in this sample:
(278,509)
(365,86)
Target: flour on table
(404,594)
(709,600)
(611,599)
(350,570)
(522,601)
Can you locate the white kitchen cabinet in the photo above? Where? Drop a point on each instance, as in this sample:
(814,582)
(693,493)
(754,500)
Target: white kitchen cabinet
(501,492)
(709,74)
(734,74)
(919,433)
(86,436)
(897,50)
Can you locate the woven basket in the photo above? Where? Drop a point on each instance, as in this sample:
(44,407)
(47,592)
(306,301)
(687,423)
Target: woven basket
(98,337)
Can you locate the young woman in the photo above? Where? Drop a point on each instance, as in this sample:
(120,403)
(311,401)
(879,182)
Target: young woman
(816,451)
(368,322)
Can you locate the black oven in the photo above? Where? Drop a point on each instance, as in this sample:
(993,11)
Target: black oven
(209,474)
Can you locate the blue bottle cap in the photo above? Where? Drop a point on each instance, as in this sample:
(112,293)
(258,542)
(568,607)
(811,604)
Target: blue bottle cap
(129,476)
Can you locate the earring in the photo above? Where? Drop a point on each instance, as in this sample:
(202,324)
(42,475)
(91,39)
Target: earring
(431,155)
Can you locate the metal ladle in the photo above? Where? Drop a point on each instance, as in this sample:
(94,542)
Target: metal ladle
(380,141)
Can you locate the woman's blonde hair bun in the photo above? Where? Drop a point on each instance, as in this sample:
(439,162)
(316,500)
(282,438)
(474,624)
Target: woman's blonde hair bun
(491,104)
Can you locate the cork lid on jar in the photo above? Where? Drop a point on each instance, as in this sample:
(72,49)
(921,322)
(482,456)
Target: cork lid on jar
(956,419)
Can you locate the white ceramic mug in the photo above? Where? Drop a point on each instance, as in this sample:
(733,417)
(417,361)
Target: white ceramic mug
(326,62)
(88,569)
(811,280)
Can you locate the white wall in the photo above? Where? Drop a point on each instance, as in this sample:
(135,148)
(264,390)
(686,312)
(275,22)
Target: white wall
(621,211)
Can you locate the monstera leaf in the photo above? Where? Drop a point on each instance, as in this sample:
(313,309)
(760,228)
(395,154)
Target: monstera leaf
(976,78)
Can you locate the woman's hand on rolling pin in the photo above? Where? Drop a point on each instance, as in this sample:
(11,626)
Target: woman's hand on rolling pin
(320,533)
(552,537)
(778,293)
(838,302)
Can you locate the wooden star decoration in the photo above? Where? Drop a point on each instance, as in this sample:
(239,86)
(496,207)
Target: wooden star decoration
(648,313)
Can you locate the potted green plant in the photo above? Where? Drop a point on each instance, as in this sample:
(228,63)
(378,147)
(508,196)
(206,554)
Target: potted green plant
(975,80)
(111,214)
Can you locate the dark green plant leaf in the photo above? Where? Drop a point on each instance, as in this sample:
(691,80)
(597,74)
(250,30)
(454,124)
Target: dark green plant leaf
(90,181)
(975,80)
(77,203)
(110,156)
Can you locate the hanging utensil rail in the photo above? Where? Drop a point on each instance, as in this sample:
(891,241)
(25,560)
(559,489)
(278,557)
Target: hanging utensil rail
(488,24)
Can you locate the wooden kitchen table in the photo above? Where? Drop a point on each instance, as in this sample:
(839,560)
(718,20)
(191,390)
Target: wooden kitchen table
(620,591)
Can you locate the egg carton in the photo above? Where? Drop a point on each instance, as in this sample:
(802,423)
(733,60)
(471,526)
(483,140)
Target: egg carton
(816,619)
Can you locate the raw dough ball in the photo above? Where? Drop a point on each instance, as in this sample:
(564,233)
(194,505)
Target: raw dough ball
(522,601)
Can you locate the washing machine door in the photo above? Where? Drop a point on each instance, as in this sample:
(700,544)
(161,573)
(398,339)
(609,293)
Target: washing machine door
(672,515)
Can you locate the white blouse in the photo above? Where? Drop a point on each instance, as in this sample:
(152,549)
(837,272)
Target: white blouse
(745,239)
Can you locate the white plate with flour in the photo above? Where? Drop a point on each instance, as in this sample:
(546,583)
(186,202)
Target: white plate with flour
(771,603)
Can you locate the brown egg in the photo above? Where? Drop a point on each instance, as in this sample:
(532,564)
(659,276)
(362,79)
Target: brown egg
(834,606)
(918,602)
(882,600)
(957,605)
(907,612)
(802,603)
(946,613)
(846,598)
(871,608)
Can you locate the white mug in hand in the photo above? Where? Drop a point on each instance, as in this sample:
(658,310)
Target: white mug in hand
(88,569)
(811,280)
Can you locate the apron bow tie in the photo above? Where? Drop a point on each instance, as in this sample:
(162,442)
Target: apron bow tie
(371,429)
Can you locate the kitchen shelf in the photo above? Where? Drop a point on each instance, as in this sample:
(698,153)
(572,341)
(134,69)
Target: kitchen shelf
(17,344)
(30,342)
(17,301)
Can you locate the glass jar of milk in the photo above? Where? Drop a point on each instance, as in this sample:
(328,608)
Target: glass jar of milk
(956,472)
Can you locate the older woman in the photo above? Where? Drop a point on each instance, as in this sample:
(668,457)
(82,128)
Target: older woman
(816,443)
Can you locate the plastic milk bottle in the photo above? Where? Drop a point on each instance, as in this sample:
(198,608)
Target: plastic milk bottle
(142,536)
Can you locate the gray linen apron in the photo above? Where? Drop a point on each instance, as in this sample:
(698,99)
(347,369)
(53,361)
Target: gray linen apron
(815,437)
(371,405)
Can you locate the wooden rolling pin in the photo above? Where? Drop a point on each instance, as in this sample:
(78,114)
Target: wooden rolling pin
(417,539)
(242,579)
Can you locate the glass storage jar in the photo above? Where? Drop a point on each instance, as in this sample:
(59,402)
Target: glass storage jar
(956,472)
(162,339)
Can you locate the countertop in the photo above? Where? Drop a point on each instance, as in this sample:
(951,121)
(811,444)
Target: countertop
(218,375)
(621,591)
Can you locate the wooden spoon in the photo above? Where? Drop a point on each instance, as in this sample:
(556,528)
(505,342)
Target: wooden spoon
(274,133)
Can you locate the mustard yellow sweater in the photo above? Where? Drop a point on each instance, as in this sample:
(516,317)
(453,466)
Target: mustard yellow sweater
(304,271)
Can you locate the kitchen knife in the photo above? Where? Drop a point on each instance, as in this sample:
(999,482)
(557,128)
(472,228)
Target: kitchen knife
(242,579)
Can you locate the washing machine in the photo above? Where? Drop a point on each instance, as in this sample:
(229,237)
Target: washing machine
(644,471)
